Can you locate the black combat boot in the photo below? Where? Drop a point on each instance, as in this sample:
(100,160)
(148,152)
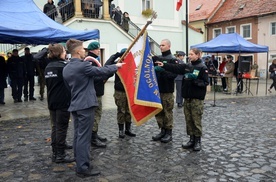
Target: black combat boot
(160,135)
(128,130)
(61,157)
(190,143)
(54,154)
(102,139)
(168,136)
(95,142)
(197,146)
(121,131)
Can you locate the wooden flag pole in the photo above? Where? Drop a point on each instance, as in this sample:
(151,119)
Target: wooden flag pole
(154,16)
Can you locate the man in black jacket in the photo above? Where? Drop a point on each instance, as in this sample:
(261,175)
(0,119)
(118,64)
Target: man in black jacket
(17,73)
(30,74)
(166,88)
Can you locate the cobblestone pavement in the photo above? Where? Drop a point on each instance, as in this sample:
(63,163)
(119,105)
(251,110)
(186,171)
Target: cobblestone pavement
(239,144)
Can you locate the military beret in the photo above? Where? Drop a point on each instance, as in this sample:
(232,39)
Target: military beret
(93,46)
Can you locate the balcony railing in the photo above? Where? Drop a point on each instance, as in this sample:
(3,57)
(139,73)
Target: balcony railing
(64,11)
(93,10)
(9,47)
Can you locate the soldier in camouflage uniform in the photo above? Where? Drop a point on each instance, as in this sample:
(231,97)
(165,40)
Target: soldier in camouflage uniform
(96,140)
(194,83)
(165,81)
(123,113)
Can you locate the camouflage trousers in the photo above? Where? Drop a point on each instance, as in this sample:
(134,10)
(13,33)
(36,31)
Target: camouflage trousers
(193,110)
(98,114)
(41,80)
(123,114)
(165,117)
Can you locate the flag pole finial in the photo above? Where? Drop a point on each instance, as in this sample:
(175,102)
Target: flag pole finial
(153,17)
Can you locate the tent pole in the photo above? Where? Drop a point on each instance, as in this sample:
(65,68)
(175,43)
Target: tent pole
(266,71)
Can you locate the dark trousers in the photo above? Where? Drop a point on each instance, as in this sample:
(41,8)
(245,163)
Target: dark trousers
(178,86)
(29,80)
(83,124)
(223,82)
(239,84)
(274,83)
(2,95)
(41,81)
(17,85)
(59,125)
(212,80)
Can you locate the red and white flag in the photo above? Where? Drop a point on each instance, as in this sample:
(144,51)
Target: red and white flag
(178,5)
(140,82)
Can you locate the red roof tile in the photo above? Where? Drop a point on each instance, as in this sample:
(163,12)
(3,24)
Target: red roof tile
(207,8)
(237,9)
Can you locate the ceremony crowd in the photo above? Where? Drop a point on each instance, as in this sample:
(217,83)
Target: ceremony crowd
(75,88)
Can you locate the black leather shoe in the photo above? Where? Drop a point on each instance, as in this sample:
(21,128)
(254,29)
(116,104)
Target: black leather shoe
(64,159)
(88,173)
(25,99)
(19,100)
(32,98)
(68,146)
(97,143)
(3,103)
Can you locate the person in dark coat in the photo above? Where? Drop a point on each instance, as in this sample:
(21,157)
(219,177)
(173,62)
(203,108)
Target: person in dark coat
(165,81)
(58,97)
(194,89)
(3,79)
(50,9)
(178,80)
(238,76)
(30,74)
(17,73)
(117,15)
(125,24)
(272,70)
(41,60)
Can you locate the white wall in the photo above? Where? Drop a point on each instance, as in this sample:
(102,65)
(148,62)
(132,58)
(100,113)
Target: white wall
(265,38)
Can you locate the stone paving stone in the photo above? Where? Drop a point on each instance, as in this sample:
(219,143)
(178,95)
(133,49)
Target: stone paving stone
(238,144)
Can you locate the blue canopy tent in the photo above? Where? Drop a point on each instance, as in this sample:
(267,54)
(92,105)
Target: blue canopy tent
(22,22)
(232,43)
